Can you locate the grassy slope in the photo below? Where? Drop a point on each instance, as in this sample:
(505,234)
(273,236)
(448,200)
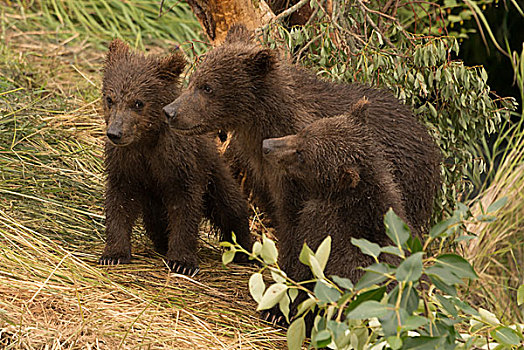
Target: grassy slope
(51,212)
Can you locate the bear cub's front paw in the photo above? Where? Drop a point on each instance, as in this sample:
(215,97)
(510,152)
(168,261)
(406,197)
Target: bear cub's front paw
(183,268)
(274,316)
(114,259)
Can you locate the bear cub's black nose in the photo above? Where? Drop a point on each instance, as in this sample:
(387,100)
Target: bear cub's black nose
(114,136)
(169,113)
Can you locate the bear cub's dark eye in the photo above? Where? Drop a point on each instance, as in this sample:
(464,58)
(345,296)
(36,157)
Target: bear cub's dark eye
(109,101)
(207,89)
(139,104)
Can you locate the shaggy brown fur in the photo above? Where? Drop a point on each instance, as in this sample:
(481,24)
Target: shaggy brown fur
(171,179)
(331,178)
(244,88)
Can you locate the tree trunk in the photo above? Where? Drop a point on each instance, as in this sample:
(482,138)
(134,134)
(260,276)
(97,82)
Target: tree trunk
(216,16)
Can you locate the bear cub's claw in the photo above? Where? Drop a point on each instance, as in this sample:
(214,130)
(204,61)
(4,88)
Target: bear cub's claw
(111,261)
(275,317)
(182,268)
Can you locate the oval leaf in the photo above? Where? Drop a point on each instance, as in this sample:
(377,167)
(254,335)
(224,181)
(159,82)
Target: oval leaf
(269,251)
(315,267)
(456,265)
(506,336)
(305,254)
(411,268)
(342,282)
(367,247)
(296,333)
(325,292)
(272,296)
(497,205)
(256,286)
(278,275)
(228,256)
(323,251)
(396,229)
(368,309)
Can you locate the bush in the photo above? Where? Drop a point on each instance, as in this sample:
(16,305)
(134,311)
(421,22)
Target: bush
(422,311)
(453,100)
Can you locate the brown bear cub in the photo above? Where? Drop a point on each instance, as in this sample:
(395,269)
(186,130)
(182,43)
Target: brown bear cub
(332,178)
(245,89)
(172,180)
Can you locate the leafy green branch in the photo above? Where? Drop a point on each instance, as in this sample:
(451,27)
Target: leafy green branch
(414,305)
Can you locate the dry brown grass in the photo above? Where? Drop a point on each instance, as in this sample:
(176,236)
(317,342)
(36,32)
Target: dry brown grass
(52,293)
(498,252)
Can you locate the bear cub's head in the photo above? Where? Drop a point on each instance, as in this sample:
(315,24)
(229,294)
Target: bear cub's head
(330,156)
(225,90)
(135,88)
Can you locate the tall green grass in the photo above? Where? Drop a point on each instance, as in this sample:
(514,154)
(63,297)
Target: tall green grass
(139,22)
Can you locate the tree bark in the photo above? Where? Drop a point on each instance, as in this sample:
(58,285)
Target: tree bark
(216,16)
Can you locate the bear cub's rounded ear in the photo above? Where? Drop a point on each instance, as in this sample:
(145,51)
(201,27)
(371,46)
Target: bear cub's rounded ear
(261,61)
(117,48)
(170,67)
(238,32)
(349,177)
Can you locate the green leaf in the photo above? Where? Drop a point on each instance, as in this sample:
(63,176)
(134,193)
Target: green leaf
(272,296)
(305,254)
(374,294)
(256,286)
(395,343)
(465,307)
(444,274)
(447,305)
(321,339)
(497,205)
(411,268)
(228,256)
(283,305)
(432,110)
(342,282)
(457,265)
(414,322)
(257,248)
(506,336)
(306,305)
(409,300)
(326,293)
(278,275)
(269,251)
(488,317)
(437,281)
(396,229)
(340,334)
(293,293)
(443,228)
(424,343)
(323,251)
(413,244)
(315,267)
(367,247)
(392,250)
(368,309)
(375,274)
(520,295)
(296,333)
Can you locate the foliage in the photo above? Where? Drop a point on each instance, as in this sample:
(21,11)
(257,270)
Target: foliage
(448,16)
(453,100)
(414,305)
